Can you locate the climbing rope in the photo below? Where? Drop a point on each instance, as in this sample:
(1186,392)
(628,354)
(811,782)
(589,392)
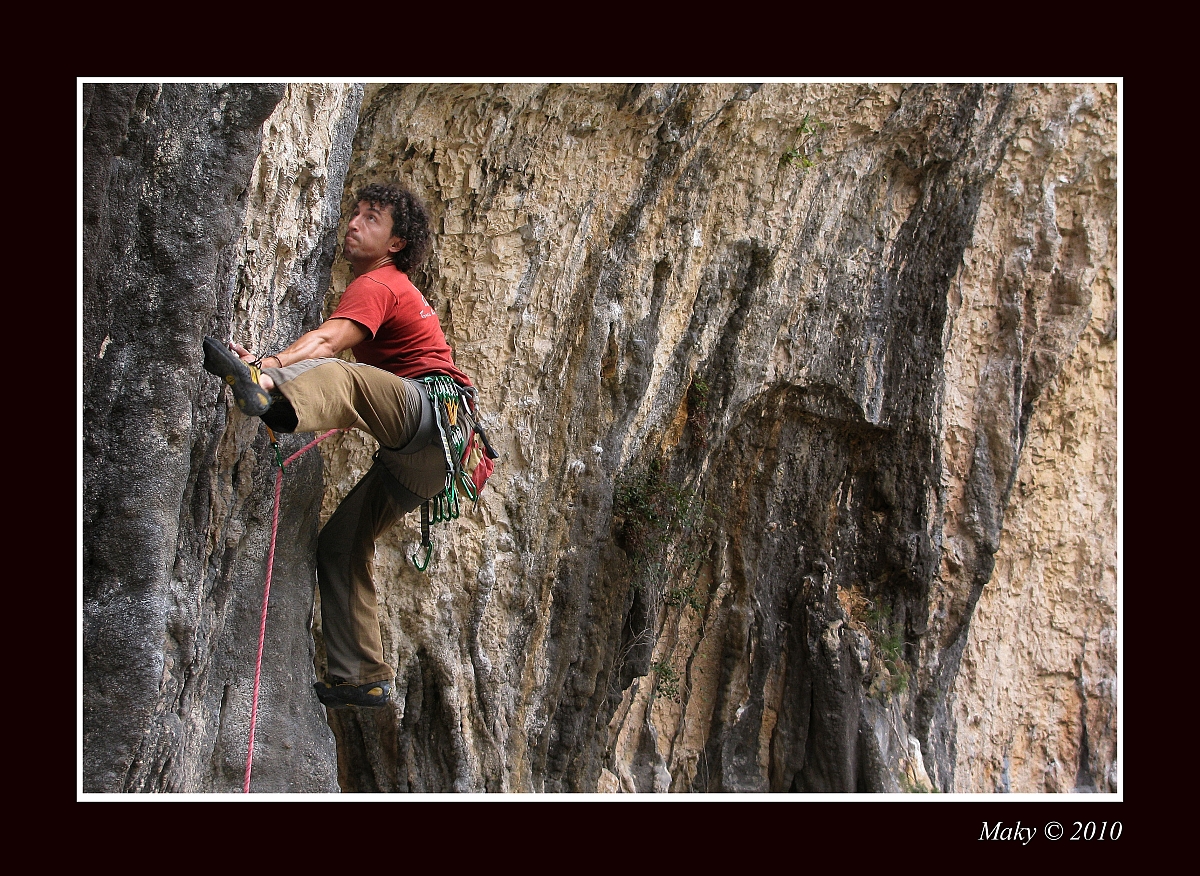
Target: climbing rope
(262,627)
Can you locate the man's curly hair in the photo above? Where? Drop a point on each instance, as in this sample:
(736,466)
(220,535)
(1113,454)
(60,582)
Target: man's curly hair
(410,220)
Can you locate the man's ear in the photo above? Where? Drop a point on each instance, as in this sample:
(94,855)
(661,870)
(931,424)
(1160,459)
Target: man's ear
(399,244)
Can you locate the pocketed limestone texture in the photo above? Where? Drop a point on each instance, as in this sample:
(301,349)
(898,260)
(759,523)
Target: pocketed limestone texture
(806,401)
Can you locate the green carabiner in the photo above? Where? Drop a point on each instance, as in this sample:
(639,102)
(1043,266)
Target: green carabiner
(468,486)
(421,567)
(275,446)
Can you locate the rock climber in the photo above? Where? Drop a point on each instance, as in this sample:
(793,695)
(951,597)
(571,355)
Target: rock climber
(396,338)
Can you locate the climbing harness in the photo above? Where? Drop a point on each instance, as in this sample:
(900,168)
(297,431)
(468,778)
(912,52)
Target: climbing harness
(262,627)
(468,453)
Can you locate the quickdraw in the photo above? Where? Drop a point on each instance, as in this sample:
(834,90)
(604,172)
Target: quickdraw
(458,426)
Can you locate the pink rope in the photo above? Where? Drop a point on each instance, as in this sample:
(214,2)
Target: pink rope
(262,627)
(311,444)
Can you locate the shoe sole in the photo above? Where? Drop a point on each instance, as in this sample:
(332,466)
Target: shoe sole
(250,398)
(341,695)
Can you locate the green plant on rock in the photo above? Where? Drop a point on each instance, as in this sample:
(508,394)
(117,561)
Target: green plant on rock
(685,594)
(891,650)
(697,409)
(908,786)
(649,507)
(668,681)
(801,154)
(891,674)
(877,616)
(891,647)
(664,529)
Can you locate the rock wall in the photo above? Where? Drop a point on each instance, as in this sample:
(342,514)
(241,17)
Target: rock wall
(762,363)
(1031,695)
(806,401)
(207,211)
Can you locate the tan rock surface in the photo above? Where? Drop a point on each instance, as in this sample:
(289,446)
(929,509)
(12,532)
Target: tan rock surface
(1041,659)
(566,226)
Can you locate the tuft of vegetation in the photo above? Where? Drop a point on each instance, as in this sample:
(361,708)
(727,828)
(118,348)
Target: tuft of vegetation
(910,787)
(891,648)
(890,671)
(665,531)
(668,681)
(804,154)
(666,534)
(697,410)
(650,507)
(685,594)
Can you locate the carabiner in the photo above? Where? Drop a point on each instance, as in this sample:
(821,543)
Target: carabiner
(421,567)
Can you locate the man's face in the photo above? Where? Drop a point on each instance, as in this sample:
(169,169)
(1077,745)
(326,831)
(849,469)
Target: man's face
(369,237)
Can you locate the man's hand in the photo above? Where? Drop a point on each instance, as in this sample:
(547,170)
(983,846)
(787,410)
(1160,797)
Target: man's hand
(244,354)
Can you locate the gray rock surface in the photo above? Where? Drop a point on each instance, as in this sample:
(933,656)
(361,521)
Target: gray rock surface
(178,486)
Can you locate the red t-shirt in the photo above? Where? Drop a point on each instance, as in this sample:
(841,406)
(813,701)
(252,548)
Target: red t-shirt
(404,335)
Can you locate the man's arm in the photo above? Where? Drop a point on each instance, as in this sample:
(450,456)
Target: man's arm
(323,342)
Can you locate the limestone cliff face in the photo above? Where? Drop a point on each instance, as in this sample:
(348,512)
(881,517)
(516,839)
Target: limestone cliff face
(207,211)
(806,401)
(1038,673)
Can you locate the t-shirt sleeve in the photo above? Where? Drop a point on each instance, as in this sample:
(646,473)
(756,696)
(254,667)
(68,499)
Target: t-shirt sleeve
(367,302)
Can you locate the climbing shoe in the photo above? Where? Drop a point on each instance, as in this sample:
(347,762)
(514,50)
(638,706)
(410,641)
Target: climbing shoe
(251,398)
(336,693)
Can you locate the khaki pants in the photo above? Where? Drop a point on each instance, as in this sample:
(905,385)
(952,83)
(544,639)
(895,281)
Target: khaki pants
(409,468)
